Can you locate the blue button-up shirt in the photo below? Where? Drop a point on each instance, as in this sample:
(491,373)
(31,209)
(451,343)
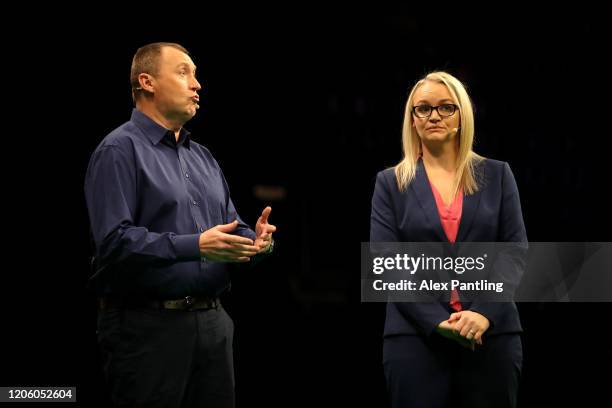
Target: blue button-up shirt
(149,198)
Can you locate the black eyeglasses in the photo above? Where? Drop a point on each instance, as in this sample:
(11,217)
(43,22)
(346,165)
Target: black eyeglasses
(424,111)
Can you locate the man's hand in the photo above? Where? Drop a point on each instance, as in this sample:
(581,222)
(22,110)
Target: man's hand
(446,329)
(469,324)
(264,231)
(217,244)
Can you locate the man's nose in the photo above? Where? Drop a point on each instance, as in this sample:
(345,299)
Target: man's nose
(195,85)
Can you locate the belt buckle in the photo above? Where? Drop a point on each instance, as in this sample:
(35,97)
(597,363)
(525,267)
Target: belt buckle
(188,302)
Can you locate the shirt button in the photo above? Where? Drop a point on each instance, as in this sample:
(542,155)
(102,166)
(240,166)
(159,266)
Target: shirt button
(201,229)
(187,175)
(195,202)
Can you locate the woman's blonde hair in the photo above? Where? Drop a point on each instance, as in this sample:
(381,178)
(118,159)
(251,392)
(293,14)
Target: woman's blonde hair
(465,178)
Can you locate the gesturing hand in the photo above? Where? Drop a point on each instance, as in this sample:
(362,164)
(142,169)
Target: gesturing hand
(263,231)
(217,244)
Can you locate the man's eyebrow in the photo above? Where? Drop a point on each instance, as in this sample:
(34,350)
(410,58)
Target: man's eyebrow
(184,64)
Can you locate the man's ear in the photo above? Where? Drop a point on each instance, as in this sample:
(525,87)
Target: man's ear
(147,82)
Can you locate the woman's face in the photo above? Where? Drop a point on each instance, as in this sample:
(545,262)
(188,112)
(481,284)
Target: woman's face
(442,124)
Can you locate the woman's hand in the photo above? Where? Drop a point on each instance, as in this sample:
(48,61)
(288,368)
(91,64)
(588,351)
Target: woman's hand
(445,329)
(469,324)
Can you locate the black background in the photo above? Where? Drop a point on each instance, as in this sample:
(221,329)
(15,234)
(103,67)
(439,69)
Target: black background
(312,101)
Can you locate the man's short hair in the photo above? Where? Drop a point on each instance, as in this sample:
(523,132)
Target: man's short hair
(146,60)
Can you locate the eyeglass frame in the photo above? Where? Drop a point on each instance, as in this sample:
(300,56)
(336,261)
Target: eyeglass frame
(436,109)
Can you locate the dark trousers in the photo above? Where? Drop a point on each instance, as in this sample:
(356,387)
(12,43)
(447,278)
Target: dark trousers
(437,372)
(168,358)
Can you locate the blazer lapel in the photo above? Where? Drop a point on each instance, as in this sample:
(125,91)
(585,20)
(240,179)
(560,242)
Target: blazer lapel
(427,202)
(470,208)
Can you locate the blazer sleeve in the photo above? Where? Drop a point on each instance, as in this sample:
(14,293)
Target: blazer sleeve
(383,228)
(510,263)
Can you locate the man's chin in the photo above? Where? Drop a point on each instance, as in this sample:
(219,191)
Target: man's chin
(190,113)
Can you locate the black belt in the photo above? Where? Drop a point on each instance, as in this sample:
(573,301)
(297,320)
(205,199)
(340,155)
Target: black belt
(186,303)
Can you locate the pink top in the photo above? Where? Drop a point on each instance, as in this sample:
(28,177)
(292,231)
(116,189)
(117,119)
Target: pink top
(450,216)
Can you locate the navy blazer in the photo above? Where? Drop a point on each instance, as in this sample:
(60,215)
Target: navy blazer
(492,214)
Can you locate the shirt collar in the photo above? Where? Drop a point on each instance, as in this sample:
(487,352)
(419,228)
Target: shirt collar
(157,133)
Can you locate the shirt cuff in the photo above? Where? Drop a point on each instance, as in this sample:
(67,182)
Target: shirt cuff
(187,246)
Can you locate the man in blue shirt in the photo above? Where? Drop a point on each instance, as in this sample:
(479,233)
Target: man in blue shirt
(164,228)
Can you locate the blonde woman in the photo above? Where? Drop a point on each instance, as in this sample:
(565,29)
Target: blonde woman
(449,353)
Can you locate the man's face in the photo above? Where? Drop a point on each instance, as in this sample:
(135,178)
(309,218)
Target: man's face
(176,87)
